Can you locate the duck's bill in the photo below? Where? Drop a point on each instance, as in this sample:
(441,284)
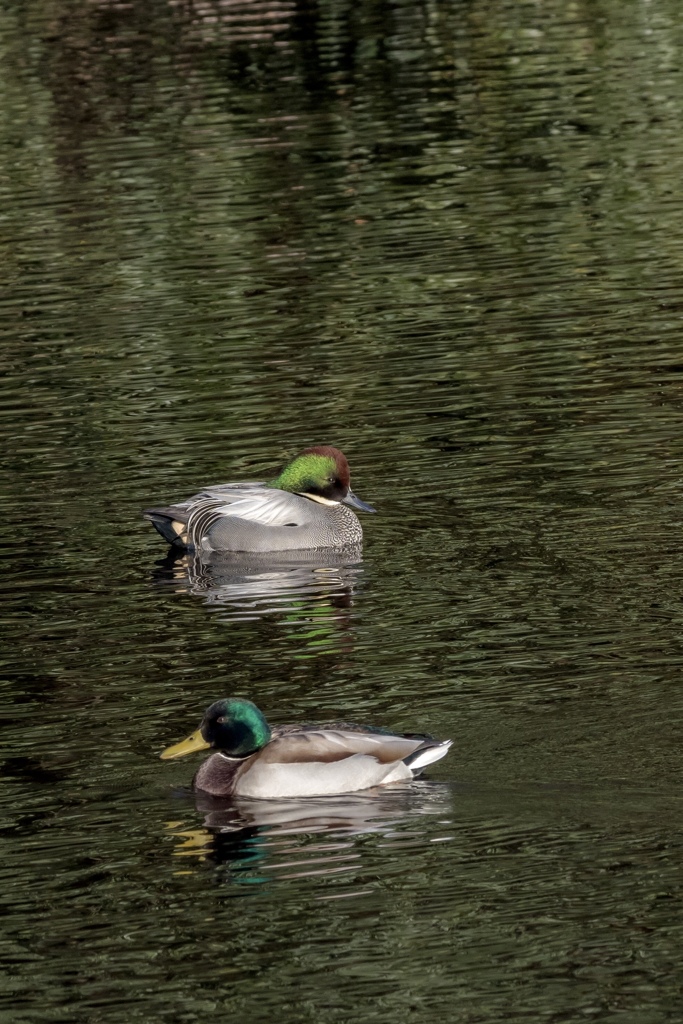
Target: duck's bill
(355,502)
(194,742)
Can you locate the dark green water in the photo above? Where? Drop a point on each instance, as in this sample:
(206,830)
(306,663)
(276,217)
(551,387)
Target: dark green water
(447,237)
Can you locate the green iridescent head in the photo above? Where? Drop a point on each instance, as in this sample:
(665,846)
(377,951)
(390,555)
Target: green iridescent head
(322,474)
(233,725)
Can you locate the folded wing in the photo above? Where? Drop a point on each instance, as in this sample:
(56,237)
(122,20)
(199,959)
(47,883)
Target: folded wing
(189,522)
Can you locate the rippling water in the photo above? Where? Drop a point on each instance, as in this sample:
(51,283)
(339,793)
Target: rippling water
(447,238)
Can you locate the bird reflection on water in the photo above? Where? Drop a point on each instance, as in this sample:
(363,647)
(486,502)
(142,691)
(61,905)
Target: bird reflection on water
(301,589)
(258,840)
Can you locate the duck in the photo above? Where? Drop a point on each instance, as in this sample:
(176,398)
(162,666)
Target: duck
(303,509)
(256,760)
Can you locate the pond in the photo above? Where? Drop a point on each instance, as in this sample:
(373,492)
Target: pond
(447,238)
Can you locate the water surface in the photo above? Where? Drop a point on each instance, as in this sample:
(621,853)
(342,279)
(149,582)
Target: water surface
(446,238)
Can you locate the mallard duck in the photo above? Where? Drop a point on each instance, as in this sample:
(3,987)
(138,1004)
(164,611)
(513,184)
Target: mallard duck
(255,760)
(301,509)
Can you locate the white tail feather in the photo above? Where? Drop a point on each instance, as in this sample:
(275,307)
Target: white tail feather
(429,755)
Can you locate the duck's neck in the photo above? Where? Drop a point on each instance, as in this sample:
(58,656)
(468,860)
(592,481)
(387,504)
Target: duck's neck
(217,775)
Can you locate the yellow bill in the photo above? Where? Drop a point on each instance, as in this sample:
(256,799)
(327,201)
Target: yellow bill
(194,742)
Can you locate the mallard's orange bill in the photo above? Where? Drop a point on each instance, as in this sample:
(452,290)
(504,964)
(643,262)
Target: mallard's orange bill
(194,742)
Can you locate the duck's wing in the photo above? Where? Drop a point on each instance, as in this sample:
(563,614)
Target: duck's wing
(322,762)
(189,521)
(328,744)
(242,515)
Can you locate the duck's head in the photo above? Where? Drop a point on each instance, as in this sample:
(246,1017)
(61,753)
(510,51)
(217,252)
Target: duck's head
(321,474)
(233,726)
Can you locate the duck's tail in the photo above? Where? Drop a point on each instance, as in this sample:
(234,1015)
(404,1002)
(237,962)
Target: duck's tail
(427,753)
(170,522)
